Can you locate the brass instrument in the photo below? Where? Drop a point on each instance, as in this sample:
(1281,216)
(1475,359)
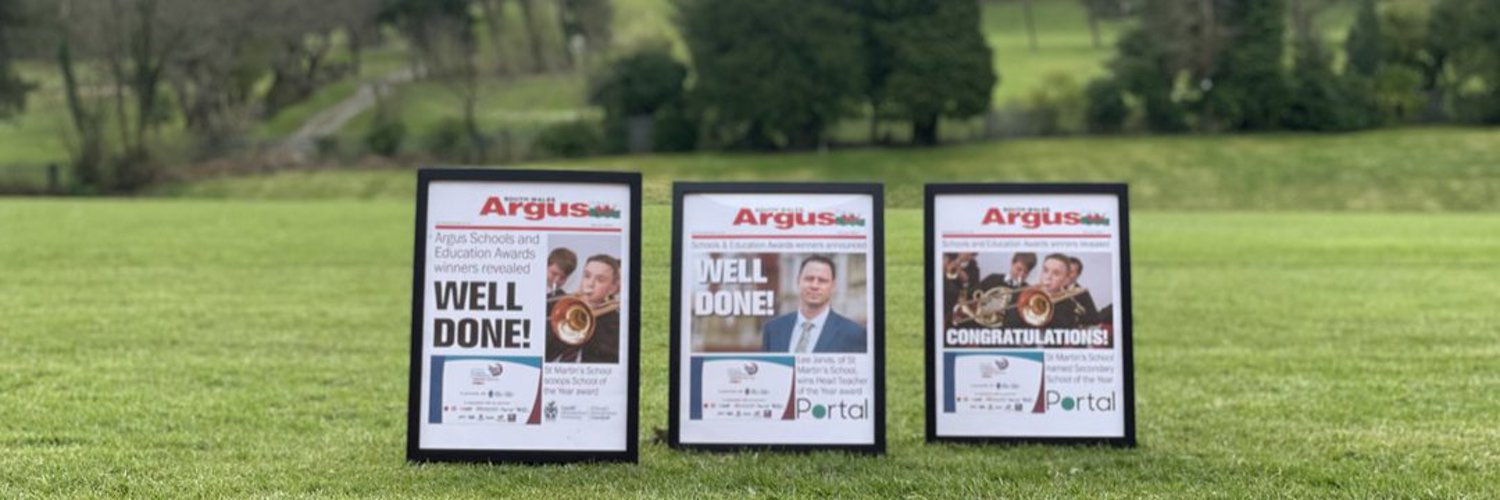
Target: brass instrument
(1033,304)
(572,319)
(985,307)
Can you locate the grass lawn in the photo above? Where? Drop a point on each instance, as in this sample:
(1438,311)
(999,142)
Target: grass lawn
(1396,169)
(235,348)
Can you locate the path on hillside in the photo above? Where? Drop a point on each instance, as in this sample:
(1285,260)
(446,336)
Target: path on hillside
(302,144)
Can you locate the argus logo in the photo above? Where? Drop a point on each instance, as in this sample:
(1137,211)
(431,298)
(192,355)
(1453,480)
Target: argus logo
(842,410)
(1086,402)
(1032,218)
(542,208)
(790,218)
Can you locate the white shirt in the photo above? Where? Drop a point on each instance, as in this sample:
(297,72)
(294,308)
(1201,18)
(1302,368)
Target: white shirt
(813,334)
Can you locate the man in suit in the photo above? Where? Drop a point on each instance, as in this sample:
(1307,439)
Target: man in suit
(814,327)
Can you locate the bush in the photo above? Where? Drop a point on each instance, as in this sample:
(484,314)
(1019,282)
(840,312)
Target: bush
(570,140)
(449,140)
(385,136)
(639,84)
(1057,107)
(327,146)
(1107,111)
(1323,101)
(675,128)
(1397,93)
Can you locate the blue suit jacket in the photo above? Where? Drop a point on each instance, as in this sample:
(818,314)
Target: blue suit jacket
(839,334)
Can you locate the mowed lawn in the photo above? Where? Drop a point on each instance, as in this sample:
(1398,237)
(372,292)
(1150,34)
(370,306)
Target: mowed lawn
(219,347)
(1406,169)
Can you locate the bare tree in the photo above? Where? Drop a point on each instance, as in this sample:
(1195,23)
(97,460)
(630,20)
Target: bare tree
(451,56)
(1030,23)
(531,19)
(493,13)
(586,27)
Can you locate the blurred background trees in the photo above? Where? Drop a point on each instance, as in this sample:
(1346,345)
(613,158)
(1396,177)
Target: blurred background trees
(135,90)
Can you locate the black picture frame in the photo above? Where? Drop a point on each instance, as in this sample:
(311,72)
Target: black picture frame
(425,176)
(877,282)
(1121,192)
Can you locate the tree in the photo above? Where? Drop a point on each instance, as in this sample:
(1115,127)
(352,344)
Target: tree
(1366,44)
(939,64)
(1173,39)
(1248,85)
(637,85)
(442,31)
(1106,109)
(13,89)
(1464,43)
(1095,9)
(1320,99)
(769,79)
(532,21)
(1026,13)
(585,26)
(128,45)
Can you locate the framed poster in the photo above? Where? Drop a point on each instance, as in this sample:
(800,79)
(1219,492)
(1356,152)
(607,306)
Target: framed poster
(525,317)
(778,320)
(1028,313)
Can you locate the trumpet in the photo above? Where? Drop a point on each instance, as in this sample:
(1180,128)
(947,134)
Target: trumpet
(572,318)
(988,307)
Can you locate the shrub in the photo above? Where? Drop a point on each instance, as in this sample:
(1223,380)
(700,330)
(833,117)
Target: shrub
(449,140)
(327,146)
(385,136)
(675,128)
(1107,111)
(1057,107)
(1397,93)
(639,84)
(570,140)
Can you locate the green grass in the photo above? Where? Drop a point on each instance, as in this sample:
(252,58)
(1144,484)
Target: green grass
(1398,169)
(235,348)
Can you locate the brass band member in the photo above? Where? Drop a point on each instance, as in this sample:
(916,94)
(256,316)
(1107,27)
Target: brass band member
(1021,265)
(1072,306)
(985,304)
(960,274)
(599,288)
(560,265)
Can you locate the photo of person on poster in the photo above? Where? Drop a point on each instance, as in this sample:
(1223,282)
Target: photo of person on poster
(560,265)
(584,326)
(994,301)
(814,327)
(1072,305)
(960,275)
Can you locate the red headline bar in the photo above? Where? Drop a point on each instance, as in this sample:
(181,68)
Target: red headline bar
(779,236)
(1025,235)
